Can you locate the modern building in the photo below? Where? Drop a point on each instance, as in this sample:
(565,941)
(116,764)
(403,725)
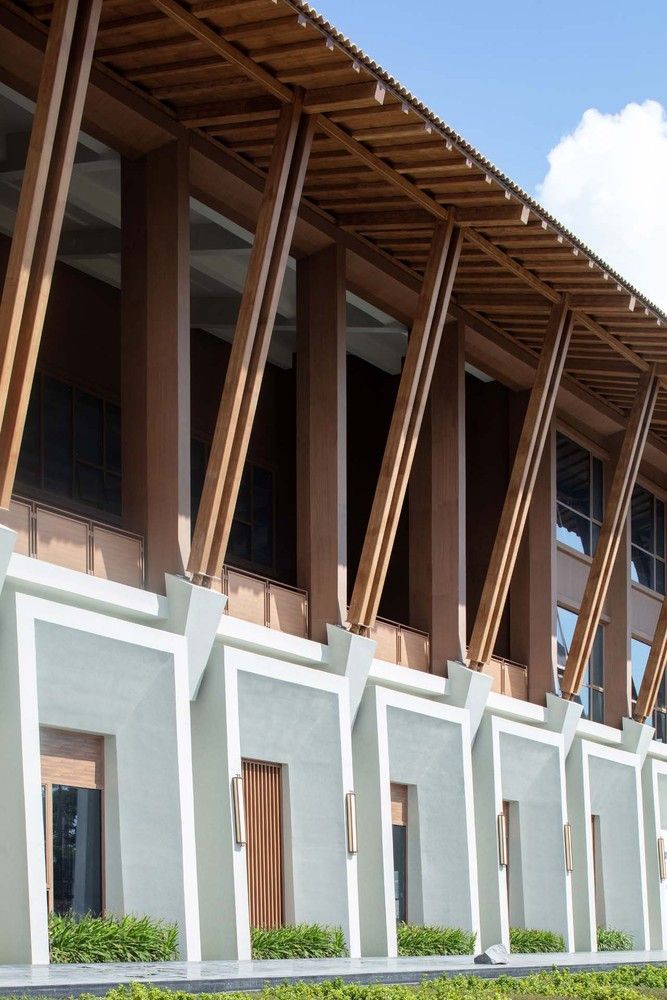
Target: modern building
(333,474)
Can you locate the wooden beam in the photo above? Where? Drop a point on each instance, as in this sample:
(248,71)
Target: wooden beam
(155,356)
(124,24)
(516,301)
(532,594)
(230,112)
(46,247)
(33,187)
(655,669)
(615,514)
(499,215)
(321,455)
(602,302)
(352,95)
(437,508)
(618,636)
(522,482)
(406,421)
(406,218)
(257,311)
(239,6)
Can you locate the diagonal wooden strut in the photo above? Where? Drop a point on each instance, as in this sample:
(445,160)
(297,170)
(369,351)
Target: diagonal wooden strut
(33,187)
(257,313)
(406,421)
(522,482)
(615,514)
(655,669)
(46,248)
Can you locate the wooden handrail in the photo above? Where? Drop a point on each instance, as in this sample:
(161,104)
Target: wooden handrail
(401,631)
(35,507)
(270,587)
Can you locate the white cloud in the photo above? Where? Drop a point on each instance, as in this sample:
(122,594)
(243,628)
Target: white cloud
(607,182)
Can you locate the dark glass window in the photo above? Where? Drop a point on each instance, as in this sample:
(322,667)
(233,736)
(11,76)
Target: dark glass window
(639,655)
(591,695)
(77,850)
(198,459)
(30,459)
(251,541)
(400,839)
(579,487)
(251,538)
(648,540)
(57,424)
(71,446)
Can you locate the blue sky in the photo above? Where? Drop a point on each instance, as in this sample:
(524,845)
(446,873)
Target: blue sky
(514,77)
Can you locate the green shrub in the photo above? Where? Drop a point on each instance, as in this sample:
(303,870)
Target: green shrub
(111,939)
(413,939)
(620,984)
(611,940)
(531,942)
(298,941)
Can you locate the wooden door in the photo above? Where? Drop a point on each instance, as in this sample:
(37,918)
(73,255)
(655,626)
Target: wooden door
(262,786)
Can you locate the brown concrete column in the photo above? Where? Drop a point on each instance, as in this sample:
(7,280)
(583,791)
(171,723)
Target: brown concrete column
(616,637)
(155,348)
(321,437)
(533,589)
(437,506)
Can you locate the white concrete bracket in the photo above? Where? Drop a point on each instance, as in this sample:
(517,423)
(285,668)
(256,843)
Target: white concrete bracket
(7,542)
(563,717)
(467,689)
(637,738)
(194,612)
(350,656)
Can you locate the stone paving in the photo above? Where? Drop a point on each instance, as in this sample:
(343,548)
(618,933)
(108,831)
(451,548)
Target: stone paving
(210,977)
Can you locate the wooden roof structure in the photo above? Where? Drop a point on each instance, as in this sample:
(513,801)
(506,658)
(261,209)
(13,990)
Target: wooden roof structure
(385,168)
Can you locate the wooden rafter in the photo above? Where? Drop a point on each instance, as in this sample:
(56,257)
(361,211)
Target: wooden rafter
(214,40)
(388,162)
(380,166)
(33,187)
(257,312)
(552,294)
(615,514)
(655,669)
(522,482)
(405,424)
(385,144)
(46,248)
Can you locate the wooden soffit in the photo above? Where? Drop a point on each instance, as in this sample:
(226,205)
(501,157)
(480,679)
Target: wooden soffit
(383,170)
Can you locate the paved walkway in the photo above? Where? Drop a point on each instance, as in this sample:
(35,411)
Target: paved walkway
(213,977)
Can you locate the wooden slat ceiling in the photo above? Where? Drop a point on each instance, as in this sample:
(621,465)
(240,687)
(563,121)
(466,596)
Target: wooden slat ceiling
(383,167)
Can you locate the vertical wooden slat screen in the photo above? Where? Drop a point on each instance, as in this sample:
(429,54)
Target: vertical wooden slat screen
(262,787)
(399,805)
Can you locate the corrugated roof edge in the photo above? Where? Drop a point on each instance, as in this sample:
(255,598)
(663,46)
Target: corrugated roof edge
(433,119)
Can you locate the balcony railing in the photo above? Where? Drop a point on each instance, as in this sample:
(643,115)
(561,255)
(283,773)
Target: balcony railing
(263,601)
(508,677)
(75,542)
(407,647)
